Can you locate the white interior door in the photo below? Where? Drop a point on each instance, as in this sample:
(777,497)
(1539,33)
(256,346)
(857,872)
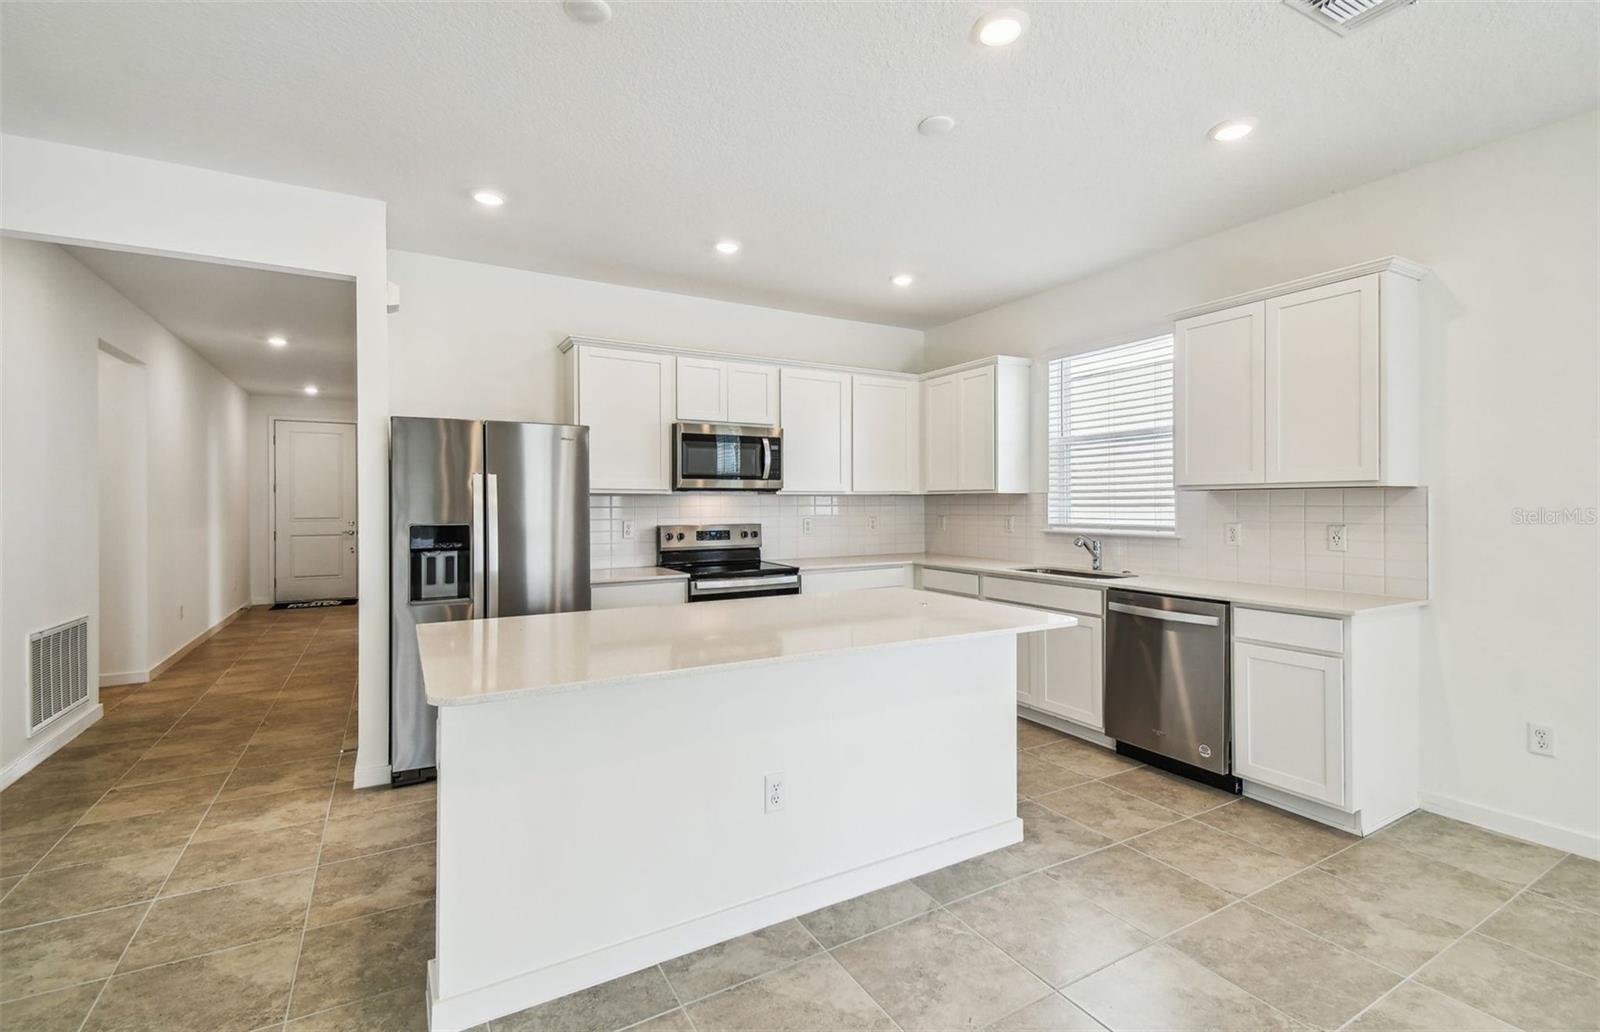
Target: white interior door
(314,510)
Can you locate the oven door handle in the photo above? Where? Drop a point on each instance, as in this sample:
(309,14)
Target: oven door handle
(723,587)
(766,458)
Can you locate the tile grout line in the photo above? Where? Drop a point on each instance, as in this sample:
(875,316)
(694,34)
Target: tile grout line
(849,974)
(1453,944)
(322,841)
(190,841)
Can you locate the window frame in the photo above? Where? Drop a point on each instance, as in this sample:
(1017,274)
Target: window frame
(1079,527)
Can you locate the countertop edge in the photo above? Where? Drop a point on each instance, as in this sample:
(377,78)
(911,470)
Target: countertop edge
(1052,621)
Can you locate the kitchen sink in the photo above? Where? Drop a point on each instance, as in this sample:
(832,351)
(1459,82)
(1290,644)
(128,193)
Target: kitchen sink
(1093,574)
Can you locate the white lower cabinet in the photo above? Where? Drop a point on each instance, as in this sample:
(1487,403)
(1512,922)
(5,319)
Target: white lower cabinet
(830,582)
(1288,720)
(1067,672)
(666,591)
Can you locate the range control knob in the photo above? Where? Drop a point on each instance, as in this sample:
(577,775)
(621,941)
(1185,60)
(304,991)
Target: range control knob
(680,535)
(744,533)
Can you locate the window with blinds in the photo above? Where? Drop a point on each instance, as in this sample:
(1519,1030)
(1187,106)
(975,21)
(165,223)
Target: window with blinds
(1111,438)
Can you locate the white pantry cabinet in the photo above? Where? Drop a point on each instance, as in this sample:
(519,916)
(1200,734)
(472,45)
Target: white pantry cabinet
(975,427)
(886,434)
(815,405)
(627,400)
(1312,382)
(712,390)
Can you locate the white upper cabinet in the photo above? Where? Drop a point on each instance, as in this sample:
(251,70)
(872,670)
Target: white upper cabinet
(1312,382)
(886,432)
(702,390)
(714,391)
(1322,383)
(627,400)
(1219,397)
(752,394)
(975,428)
(815,405)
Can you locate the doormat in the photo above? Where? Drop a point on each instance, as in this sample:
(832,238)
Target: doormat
(321,603)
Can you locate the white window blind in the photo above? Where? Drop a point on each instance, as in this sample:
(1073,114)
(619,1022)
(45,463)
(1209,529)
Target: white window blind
(1111,438)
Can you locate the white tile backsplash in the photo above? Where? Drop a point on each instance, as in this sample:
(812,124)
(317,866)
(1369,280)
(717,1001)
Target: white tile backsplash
(1284,542)
(840,524)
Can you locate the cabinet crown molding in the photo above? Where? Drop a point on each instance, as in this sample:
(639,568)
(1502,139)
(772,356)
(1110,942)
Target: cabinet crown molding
(575,340)
(1393,263)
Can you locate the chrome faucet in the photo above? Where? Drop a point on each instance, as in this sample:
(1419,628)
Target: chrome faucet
(1093,547)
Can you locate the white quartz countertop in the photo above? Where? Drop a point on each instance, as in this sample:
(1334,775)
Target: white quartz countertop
(477,661)
(634,575)
(1268,596)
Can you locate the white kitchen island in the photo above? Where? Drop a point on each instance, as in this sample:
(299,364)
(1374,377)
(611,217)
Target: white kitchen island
(605,777)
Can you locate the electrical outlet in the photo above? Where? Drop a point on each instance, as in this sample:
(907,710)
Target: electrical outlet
(872,523)
(1541,739)
(180,612)
(944,523)
(805,525)
(1011,524)
(1336,537)
(1233,534)
(775,792)
(627,530)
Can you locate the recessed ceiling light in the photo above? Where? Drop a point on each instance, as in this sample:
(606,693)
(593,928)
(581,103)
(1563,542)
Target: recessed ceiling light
(489,198)
(1001,28)
(590,12)
(936,125)
(904,279)
(1233,130)
(728,247)
(278,341)
(311,388)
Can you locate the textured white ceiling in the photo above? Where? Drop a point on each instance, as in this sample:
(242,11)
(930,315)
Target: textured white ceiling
(226,313)
(627,148)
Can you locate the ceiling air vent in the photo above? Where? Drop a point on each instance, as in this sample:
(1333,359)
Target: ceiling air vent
(1345,16)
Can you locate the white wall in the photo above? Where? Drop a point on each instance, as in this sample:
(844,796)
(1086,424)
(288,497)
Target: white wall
(75,194)
(56,315)
(479,341)
(263,410)
(124,482)
(1510,231)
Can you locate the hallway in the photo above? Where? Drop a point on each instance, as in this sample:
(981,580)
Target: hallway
(197,859)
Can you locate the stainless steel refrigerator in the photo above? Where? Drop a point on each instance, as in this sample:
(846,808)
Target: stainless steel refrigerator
(486,519)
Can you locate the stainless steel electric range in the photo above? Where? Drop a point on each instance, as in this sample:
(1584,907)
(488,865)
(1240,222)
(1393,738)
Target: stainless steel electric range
(724,561)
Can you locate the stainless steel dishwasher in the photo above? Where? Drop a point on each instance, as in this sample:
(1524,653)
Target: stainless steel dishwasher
(1167,682)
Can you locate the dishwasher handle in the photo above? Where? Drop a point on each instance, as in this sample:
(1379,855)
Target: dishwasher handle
(1165,614)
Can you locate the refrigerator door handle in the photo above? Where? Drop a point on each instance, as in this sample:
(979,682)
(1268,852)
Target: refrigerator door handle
(491,511)
(477,544)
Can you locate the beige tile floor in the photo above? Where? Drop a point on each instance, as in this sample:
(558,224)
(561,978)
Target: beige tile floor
(194,861)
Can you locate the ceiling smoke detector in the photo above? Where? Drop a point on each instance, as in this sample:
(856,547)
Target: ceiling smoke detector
(1345,16)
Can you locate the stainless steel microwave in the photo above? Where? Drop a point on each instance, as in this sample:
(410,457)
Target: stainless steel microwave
(726,457)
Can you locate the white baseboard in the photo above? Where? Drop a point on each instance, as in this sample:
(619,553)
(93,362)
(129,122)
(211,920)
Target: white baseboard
(477,1006)
(125,677)
(370,777)
(1554,835)
(1065,726)
(189,646)
(57,736)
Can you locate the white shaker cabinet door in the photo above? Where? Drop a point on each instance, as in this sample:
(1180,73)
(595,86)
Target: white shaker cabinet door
(1219,395)
(1070,681)
(885,434)
(942,441)
(816,431)
(977,430)
(628,401)
(1288,721)
(752,394)
(702,390)
(1322,383)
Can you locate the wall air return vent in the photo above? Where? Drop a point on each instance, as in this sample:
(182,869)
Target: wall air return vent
(1345,16)
(58,672)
